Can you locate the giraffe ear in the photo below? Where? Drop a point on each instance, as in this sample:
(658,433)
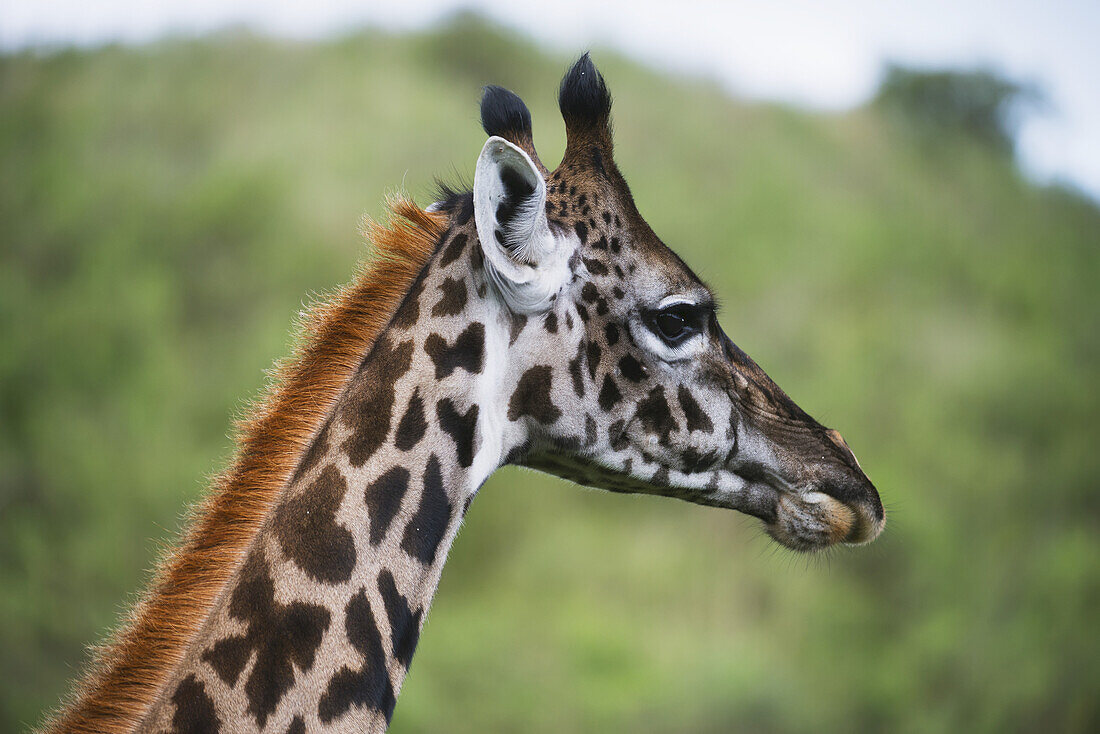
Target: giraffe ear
(526,261)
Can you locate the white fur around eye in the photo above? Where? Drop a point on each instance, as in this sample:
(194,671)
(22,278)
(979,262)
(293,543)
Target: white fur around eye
(689,349)
(674,300)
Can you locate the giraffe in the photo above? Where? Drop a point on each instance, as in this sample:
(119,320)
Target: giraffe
(535,320)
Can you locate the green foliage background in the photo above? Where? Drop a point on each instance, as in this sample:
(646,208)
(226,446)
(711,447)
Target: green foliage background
(166,210)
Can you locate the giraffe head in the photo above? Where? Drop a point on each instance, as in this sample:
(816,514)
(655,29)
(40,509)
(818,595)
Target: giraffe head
(628,382)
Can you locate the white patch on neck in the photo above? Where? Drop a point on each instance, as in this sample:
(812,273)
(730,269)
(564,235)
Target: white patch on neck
(491,416)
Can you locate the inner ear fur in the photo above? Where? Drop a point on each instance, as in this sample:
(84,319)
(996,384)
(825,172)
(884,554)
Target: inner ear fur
(510,201)
(525,260)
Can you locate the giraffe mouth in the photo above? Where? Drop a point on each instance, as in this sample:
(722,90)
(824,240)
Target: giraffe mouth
(813,520)
(808,518)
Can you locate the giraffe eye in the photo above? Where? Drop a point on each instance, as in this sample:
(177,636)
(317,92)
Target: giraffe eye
(677,323)
(671,325)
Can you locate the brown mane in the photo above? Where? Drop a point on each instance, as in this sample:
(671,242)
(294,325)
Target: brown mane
(130,671)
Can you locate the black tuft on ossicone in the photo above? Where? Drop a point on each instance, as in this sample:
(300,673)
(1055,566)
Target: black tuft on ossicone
(504,114)
(583,98)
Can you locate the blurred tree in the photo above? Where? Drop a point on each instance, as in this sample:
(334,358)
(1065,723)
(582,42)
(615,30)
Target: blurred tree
(980,104)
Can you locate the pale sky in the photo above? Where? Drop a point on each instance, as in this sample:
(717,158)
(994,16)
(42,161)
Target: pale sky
(824,54)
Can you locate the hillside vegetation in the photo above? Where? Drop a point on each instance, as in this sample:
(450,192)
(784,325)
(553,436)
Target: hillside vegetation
(166,210)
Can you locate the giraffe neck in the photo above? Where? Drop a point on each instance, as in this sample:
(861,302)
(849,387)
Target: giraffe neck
(318,627)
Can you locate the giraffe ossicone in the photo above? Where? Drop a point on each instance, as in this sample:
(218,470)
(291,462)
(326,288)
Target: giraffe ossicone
(535,320)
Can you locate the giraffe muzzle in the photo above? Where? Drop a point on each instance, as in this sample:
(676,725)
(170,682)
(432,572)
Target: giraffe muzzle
(814,521)
(822,513)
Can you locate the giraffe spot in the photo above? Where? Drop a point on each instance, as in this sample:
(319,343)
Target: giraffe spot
(453,250)
(611,334)
(516,327)
(631,368)
(575,371)
(466,210)
(453,299)
(412,426)
(370,402)
(404,624)
(459,427)
(229,656)
(284,637)
(532,397)
(408,313)
(195,713)
(616,436)
(466,353)
(593,353)
(609,394)
(368,686)
(383,497)
(550,323)
(309,534)
(695,462)
(427,527)
(313,454)
(697,419)
(655,416)
(731,436)
(595,266)
(582,231)
(297,726)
